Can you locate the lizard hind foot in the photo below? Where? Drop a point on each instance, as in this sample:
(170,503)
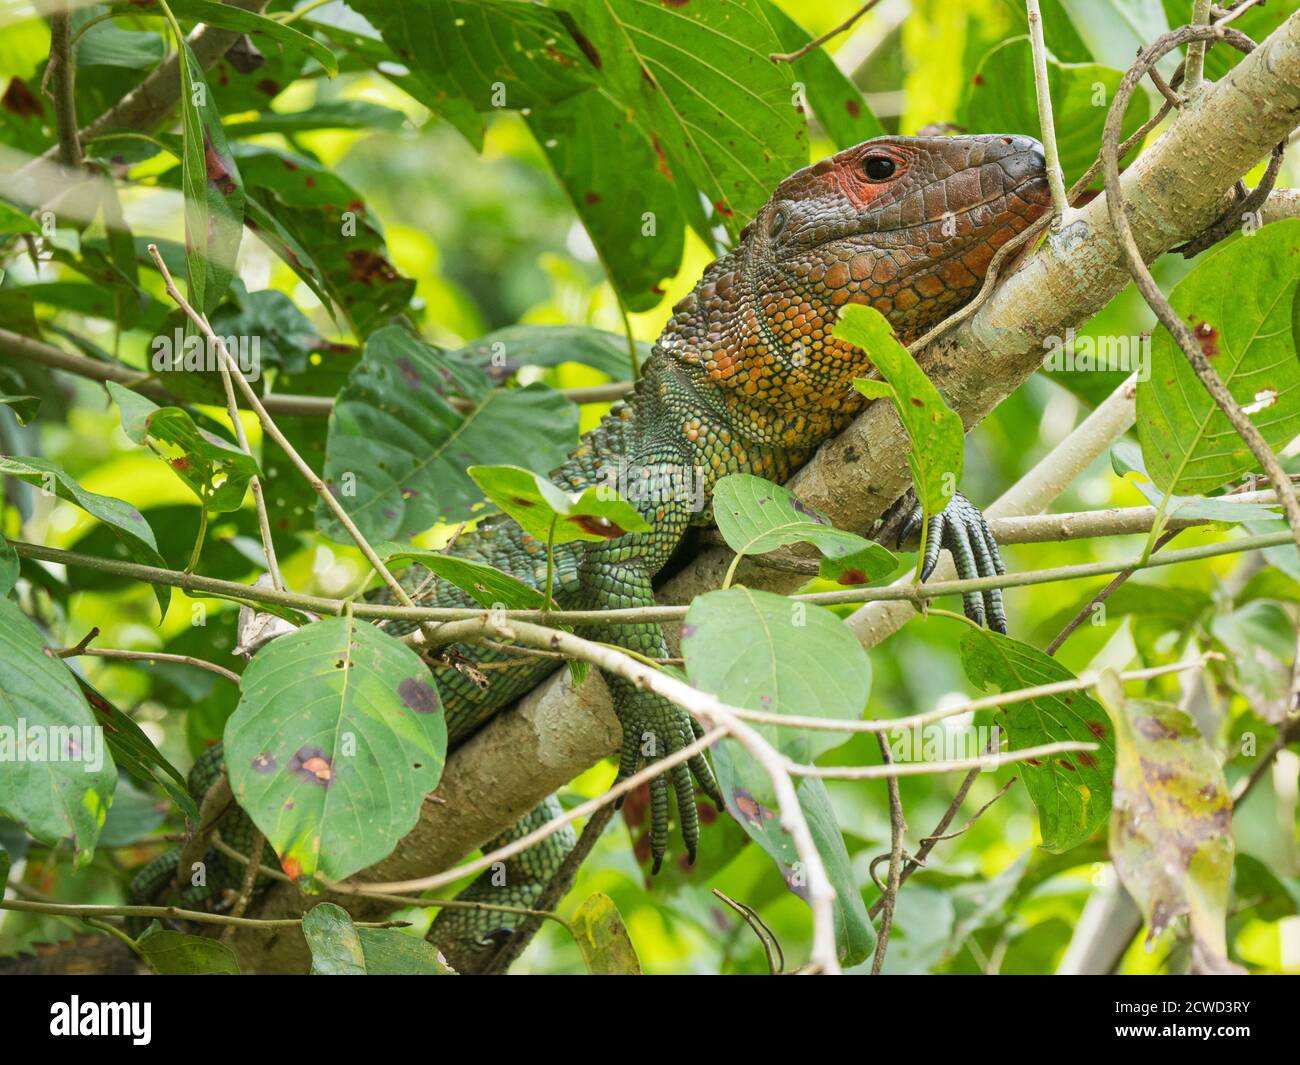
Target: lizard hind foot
(962,529)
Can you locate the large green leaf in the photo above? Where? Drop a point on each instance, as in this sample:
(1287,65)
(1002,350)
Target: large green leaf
(486,584)
(398,449)
(699,77)
(765,652)
(612,173)
(1071,791)
(756,516)
(360,115)
(1171,830)
(8,566)
(58,778)
(338,736)
(854,936)
(127,523)
(1001,99)
(1247,331)
(323,229)
(339,948)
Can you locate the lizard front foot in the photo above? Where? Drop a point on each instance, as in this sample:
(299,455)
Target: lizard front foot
(960,527)
(654,728)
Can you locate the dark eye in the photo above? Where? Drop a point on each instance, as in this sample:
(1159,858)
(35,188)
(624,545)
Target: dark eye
(878,167)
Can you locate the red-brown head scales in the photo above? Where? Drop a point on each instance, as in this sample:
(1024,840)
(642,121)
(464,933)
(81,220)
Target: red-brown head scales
(907,225)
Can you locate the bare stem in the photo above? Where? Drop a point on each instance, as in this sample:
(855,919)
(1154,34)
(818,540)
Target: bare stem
(1055,177)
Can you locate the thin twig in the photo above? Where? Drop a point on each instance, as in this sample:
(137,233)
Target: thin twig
(247,883)
(775,964)
(193,584)
(1196,50)
(263,519)
(170,912)
(63,71)
(149,656)
(1055,177)
(817,42)
(897,832)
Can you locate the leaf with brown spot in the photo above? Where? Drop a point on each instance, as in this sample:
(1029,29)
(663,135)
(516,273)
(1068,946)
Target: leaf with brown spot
(360,745)
(1073,801)
(1248,328)
(1171,828)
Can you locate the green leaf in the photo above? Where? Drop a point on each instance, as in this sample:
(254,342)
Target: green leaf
(854,936)
(392,952)
(214,470)
(504,351)
(1126,458)
(339,948)
(1187,442)
(13,220)
(486,584)
(699,77)
(766,652)
(338,736)
(612,173)
(603,939)
(107,44)
(214,190)
(215,13)
(398,449)
(177,954)
(1171,830)
(836,102)
(1001,99)
(126,522)
(335,946)
(756,516)
(468,57)
(934,429)
(1071,791)
(134,752)
(597,512)
(24,407)
(8,566)
(324,114)
(58,778)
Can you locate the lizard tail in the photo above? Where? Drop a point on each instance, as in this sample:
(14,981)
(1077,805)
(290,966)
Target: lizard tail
(470,937)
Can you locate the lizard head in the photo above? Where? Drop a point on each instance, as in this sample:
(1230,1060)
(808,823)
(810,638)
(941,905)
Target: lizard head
(907,225)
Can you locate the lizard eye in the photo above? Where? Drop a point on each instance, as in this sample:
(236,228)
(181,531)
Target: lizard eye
(878,167)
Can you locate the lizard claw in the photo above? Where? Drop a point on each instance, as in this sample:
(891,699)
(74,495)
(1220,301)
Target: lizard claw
(653,728)
(961,528)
